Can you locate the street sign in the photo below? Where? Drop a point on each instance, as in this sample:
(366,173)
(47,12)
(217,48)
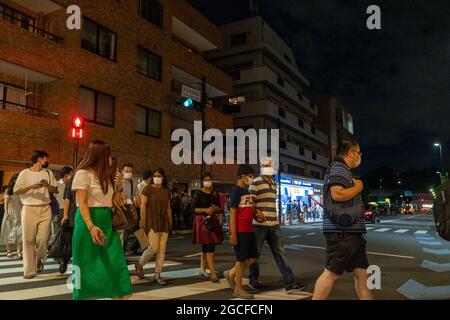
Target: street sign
(191,93)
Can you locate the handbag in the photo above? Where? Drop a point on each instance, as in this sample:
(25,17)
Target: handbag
(207,221)
(124,216)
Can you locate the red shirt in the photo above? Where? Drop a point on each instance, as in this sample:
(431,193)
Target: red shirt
(242,200)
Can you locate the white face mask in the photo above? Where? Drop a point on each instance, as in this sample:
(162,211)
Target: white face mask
(358,163)
(267,171)
(207,184)
(249,181)
(127,175)
(157,181)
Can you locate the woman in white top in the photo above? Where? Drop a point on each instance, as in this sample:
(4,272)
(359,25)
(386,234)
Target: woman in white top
(99,265)
(11,233)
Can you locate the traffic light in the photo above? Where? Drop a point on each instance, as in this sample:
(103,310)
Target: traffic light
(77,127)
(189,103)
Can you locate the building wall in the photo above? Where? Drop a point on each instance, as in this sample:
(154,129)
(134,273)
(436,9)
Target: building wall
(74,66)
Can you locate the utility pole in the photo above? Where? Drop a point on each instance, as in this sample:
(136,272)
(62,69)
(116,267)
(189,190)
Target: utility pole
(280,207)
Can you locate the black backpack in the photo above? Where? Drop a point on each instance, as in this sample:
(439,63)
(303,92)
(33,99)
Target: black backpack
(441,211)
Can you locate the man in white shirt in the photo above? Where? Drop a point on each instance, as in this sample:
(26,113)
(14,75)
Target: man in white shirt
(34,186)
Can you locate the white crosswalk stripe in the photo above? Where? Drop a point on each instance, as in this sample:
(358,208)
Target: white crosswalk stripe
(401,231)
(382,230)
(421,232)
(51,285)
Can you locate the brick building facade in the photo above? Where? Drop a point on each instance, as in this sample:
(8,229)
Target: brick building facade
(123,72)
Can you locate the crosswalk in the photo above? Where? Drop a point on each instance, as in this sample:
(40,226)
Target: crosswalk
(369,228)
(183,279)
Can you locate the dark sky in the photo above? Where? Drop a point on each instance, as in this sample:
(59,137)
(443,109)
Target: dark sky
(394,81)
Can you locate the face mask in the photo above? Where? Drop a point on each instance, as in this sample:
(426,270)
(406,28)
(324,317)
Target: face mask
(267,171)
(127,176)
(249,181)
(207,184)
(157,181)
(45,165)
(358,163)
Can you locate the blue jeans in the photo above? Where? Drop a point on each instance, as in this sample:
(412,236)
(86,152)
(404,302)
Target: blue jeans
(275,241)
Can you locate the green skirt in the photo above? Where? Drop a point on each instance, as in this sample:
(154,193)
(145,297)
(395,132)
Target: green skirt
(98,271)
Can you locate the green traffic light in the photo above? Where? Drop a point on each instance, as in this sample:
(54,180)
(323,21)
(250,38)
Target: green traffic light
(188,103)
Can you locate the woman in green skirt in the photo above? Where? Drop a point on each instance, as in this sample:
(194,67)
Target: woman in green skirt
(98,263)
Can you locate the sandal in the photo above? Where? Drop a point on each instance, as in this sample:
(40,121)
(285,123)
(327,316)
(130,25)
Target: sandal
(9,255)
(160,281)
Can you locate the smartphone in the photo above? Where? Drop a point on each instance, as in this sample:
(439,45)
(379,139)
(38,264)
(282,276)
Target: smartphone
(43,181)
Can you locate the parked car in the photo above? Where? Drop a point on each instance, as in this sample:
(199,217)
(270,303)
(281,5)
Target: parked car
(371,214)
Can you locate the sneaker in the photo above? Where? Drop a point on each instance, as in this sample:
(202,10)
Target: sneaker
(203,274)
(10,255)
(243,295)
(62,267)
(29,276)
(19,255)
(40,266)
(255,285)
(139,270)
(295,288)
(160,281)
(231,282)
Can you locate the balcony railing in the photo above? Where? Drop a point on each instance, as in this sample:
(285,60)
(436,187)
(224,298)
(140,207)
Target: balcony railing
(23,109)
(31,27)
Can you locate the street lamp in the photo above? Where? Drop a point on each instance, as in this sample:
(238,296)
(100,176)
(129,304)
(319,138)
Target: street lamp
(440,153)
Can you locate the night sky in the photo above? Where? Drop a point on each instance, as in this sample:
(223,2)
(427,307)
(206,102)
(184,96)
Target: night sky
(394,81)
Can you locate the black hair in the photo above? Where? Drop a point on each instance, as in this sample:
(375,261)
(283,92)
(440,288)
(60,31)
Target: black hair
(10,188)
(245,169)
(64,171)
(161,172)
(38,154)
(147,174)
(129,165)
(206,174)
(345,146)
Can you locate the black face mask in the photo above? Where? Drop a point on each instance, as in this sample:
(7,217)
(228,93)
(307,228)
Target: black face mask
(45,166)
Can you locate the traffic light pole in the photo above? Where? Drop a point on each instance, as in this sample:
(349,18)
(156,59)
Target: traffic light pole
(280,207)
(75,153)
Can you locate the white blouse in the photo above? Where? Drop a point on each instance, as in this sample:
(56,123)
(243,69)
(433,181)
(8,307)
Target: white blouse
(88,180)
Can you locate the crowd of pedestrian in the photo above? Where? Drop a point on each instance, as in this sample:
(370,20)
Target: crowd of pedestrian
(37,208)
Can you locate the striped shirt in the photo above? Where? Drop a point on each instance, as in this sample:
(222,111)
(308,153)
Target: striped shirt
(339,174)
(265,194)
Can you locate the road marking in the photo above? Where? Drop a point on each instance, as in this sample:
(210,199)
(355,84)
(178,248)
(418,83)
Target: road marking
(439,252)
(401,231)
(417,291)
(193,255)
(370,228)
(421,232)
(436,267)
(382,230)
(374,253)
(293,237)
(431,243)
(310,234)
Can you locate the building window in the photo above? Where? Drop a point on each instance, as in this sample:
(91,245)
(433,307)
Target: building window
(18,18)
(315,174)
(97,106)
(12,97)
(238,39)
(148,121)
(314,156)
(149,63)
(301,150)
(151,10)
(98,39)
(296,170)
(281,112)
(280,80)
(300,123)
(287,58)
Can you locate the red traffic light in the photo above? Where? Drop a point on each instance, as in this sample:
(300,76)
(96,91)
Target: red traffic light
(77,122)
(77,127)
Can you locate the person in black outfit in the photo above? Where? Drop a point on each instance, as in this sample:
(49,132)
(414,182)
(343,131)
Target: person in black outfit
(68,220)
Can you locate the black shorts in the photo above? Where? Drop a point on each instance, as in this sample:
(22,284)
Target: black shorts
(208,248)
(345,252)
(246,247)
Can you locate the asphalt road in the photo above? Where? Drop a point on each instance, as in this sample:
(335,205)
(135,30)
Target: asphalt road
(414,264)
